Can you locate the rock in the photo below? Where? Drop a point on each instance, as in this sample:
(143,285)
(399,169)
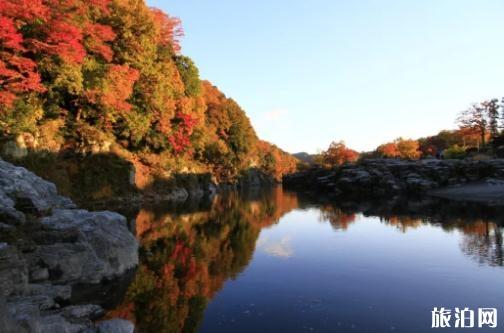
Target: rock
(13,271)
(8,213)
(416,183)
(104,247)
(115,326)
(54,248)
(382,177)
(82,311)
(7,323)
(27,192)
(39,274)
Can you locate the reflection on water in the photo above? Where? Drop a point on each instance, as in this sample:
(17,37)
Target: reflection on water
(241,263)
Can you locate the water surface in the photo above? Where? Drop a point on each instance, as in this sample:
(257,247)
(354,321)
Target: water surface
(273,262)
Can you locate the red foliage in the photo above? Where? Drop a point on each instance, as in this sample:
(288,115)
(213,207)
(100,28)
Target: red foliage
(180,138)
(25,10)
(17,73)
(170,29)
(64,40)
(97,36)
(9,37)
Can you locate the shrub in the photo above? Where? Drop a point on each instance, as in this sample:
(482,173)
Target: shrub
(455,152)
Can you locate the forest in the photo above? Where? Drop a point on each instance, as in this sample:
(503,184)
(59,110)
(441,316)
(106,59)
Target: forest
(479,135)
(82,77)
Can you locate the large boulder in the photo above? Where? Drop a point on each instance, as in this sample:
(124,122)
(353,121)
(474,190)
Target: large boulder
(102,246)
(25,192)
(47,248)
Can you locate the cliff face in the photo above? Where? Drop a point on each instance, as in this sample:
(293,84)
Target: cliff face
(384,177)
(49,249)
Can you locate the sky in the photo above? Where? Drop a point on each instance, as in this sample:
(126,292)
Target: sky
(308,72)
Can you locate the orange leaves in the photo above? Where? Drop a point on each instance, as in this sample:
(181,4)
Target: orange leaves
(120,80)
(274,161)
(403,148)
(170,29)
(408,149)
(388,150)
(338,153)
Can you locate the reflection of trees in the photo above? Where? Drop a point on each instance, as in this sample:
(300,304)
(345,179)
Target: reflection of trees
(402,223)
(483,242)
(482,237)
(188,252)
(186,256)
(338,219)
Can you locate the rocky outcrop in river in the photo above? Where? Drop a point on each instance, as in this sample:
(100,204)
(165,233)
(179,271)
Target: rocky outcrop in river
(384,177)
(50,251)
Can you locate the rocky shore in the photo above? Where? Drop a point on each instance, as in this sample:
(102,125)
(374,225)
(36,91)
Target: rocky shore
(51,253)
(389,177)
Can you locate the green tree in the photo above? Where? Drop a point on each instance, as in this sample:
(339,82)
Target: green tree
(190,75)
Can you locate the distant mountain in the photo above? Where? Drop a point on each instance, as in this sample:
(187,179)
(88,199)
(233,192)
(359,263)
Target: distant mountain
(305,157)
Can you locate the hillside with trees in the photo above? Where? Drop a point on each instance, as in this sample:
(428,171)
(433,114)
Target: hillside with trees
(81,79)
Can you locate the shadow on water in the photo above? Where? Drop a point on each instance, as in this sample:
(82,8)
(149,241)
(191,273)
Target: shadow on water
(188,251)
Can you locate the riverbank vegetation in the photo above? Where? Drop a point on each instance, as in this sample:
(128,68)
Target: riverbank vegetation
(108,76)
(480,135)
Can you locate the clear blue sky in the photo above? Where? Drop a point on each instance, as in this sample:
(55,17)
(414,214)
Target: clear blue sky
(366,72)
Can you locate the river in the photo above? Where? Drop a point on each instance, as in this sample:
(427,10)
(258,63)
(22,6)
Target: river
(275,261)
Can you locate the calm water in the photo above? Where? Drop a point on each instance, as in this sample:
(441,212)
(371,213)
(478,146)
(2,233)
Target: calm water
(273,262)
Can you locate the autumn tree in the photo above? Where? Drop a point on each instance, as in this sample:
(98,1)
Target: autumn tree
(481,118)
(338,153)
(190,75)
(435,144)
(20,80)
(388,150)
(408,148)
(273,161)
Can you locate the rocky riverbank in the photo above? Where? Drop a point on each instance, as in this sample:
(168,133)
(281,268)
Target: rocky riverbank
(389,177)
(52,253)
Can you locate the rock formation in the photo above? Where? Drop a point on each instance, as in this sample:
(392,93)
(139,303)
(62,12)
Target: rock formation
(385,177)
(48,250)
